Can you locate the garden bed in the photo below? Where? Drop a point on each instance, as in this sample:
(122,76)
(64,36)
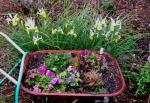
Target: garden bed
(79,78)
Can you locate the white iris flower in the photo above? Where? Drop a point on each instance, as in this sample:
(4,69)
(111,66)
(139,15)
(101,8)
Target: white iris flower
(36,38)
(115,23)
(100,23)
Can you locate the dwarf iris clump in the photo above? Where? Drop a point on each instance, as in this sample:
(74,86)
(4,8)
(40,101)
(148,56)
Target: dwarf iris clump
(75,33)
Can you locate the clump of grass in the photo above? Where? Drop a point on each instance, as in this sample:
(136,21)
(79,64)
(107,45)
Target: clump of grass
(78,31)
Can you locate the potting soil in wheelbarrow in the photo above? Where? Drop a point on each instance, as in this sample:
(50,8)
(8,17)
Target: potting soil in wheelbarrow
(72,73)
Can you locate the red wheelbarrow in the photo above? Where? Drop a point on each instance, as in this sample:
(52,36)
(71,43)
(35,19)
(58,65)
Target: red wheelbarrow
(110,77)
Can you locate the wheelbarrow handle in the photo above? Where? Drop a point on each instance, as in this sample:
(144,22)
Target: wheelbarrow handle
(12,42)
(8,76)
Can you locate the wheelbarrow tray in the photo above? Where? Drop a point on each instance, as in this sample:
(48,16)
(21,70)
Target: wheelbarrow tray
(118,91)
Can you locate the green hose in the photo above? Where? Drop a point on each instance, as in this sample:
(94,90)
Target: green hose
(11,70)
(20,77)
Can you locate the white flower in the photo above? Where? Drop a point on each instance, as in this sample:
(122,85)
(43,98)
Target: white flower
(114,23)
(60,30)
(54,69)
(42,12)
(100,23)
(72,32)
(92,33)
(106,34)
(116,33)
(36,38)
(14,19)
(30,23)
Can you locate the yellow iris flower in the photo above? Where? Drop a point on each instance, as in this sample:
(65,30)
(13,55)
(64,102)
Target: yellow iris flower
(14,20)
(100,23)
(72,32)
(115,23)
(42,13)
(54,31)
(117,38)
(36,38)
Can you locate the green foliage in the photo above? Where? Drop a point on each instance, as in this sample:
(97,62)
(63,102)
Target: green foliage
(143,80)
(65,75)
(76,32)
(58,61)
(41,81)
(102,90)
(108,5)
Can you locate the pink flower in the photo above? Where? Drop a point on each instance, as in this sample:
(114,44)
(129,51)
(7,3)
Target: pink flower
(33,71)
(50,74)
(89,61)
(36,89)
(42,70)
(70,69)
(50,87)
(54,81)
(85,52)
(103,60)
(32,75)
(77,74)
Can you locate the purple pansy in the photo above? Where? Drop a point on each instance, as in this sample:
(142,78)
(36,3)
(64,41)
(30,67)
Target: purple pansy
(89,61)
(50,74)
(42,70)
(81,58)
(59,82)
(85,52)
(103,60)
(36,89)
(33,71)
(54,81)
(50,87)
(32,75)
(70,69)
(71,79)
(77,74)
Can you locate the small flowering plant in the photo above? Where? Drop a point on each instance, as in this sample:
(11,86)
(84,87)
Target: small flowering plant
(52,79)
(90,59)
(59,74)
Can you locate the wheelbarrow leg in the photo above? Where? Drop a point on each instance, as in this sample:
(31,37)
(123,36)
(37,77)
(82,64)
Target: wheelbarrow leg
(34,99)
(105,100)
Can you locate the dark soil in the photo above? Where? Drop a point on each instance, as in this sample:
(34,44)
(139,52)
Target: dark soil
(36,61)
(128,96)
